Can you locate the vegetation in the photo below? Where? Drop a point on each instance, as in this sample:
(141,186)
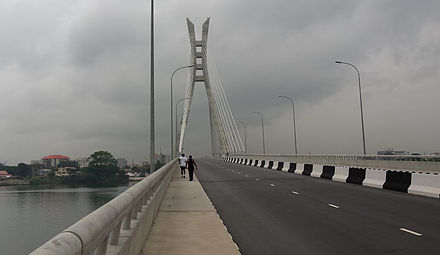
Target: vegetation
(103,170)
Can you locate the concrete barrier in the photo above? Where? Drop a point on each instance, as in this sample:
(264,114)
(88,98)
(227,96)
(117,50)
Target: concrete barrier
(397,180)
(280,166)
(120,226)
(292,167)
(420,183)
(299,168)
(341,174)
(270,165)
(317,171)
(328,172)
(356,175)
(374,178)
(308,168)
(286,166)
(425,184)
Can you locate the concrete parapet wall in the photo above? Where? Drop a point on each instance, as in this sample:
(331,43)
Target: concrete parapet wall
(120,226)
(424,181)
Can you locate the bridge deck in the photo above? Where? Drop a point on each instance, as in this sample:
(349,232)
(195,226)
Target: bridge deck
(187,223)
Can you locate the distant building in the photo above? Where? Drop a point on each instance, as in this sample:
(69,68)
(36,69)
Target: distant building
(122,163)
(392,152)
(162,158)
(43,172)
(53,161)
(65,171)
(5,175)
(83,162)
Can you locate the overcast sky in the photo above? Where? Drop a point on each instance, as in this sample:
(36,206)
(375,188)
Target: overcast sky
(74,75)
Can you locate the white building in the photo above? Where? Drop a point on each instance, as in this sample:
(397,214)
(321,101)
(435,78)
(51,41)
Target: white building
(83,162)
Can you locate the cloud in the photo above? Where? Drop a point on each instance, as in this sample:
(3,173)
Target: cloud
(75,75)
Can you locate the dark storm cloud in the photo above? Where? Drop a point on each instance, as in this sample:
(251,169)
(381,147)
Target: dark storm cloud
(75,75)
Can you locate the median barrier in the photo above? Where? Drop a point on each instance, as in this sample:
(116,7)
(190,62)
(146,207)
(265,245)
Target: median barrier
(341,174)
(374,178)
(299,168)
(420,183)
(270,165)
(397,180)
(280,166)
(425,184)
(308,168)
(328,172)
(286,166)
(292,168)
(356,175)
(317,171)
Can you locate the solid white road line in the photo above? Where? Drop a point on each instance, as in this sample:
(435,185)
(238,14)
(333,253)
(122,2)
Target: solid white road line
(411,232)
(334,206)
(294,192)
(273,185)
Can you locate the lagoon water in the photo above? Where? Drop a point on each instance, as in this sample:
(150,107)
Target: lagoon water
(30,215)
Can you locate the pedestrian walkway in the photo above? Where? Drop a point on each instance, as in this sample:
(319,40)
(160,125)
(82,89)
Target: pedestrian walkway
(187,223)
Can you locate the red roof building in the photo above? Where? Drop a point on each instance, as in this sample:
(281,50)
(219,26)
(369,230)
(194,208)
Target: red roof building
(4,174)
(56,157)
(54,160)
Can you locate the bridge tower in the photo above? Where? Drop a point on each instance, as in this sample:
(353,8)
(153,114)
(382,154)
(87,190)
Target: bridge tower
(224,133)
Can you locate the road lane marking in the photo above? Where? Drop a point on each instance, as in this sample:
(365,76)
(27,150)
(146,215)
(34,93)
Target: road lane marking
(257,179)
(334,206)
(294,192)
(273,185)
(411,232)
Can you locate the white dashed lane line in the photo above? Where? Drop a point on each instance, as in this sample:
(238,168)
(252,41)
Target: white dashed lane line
(273,185)
(411,232)
(294,192)
(334,206)
(257,179)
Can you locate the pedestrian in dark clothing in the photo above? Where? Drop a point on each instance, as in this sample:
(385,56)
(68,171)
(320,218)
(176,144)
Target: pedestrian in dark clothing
(191,163)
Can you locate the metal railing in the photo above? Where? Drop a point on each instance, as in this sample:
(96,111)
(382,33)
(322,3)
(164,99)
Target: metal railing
(413,163)
(120,226)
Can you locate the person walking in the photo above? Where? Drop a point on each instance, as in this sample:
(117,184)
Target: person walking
(182,162)
(191,163)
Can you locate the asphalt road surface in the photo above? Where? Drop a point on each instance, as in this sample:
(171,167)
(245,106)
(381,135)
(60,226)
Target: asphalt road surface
(273,212)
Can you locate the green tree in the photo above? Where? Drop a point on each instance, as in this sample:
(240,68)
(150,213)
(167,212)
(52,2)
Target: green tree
(103,170)
(23,170)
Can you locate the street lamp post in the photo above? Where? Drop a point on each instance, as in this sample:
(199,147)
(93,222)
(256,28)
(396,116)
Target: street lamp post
(178,101)
(262,127)
(245,143)
(360,100)
(294,122)
(152,132)
(171,108)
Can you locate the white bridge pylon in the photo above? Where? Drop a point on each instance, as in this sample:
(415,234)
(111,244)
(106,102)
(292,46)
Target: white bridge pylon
(225,137)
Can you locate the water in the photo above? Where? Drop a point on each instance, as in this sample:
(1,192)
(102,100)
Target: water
(30,216)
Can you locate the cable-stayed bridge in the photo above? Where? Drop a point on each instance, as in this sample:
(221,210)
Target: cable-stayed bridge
(264,204)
